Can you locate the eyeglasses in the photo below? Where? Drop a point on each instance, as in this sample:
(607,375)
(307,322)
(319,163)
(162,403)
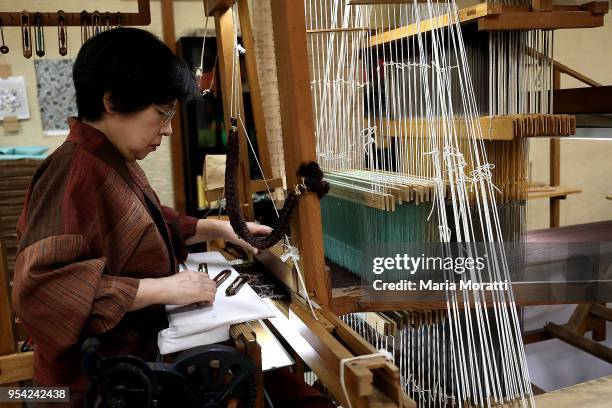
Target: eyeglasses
(166,115)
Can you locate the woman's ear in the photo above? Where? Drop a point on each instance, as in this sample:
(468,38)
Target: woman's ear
(108,105)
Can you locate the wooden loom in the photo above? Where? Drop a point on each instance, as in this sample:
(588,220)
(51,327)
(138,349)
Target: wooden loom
(323,343)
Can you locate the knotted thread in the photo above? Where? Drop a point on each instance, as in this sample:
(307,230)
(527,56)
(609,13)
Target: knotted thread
(311,177)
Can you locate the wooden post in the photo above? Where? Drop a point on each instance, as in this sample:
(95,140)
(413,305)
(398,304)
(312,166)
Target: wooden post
(298,138)
(555,165)
(256,102)
(7,339)
(224,26)
(176,141)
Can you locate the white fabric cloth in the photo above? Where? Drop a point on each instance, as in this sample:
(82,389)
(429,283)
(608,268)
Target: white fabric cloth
(210,324)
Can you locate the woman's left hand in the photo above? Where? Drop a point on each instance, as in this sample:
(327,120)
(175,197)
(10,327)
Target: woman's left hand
(229,235)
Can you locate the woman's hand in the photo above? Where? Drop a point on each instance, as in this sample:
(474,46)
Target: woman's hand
(208,229)
(180,289)
(189,287)
(227,233)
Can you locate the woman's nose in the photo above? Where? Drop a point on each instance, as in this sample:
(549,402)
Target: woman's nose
(166,130)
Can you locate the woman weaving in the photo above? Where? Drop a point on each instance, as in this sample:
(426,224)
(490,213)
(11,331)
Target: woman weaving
(98,253)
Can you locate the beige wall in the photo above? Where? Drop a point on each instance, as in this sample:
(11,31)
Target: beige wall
(586,164)
(188,16)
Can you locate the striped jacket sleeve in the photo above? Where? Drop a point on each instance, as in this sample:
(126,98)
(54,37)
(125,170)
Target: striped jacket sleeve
(61,290)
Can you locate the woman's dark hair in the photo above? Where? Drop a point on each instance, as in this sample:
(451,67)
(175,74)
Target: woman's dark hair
(135,67)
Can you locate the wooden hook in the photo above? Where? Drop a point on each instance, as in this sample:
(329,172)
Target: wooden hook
(26,34)
(62,34)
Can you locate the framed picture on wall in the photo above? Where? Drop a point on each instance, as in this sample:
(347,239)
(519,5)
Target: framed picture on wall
(13,98)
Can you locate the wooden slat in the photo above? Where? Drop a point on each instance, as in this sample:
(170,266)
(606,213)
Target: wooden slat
(551,191)
(554,20)
(255,89)
(493,16)
(322,352)
(224,26)
(299,142)
(244,337)
(583,100)
(505,127)
(16,367)
(574,74)
(465,15)
(592,394)
(176,141)
(601,311)
(258,186)
(535,336)
(579,341)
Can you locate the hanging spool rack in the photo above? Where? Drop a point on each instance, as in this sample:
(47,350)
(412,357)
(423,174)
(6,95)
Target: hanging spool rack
(141,18)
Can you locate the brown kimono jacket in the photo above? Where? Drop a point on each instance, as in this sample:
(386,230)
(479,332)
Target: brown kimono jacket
(90,229)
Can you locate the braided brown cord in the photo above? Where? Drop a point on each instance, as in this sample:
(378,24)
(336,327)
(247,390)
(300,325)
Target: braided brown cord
(312,180)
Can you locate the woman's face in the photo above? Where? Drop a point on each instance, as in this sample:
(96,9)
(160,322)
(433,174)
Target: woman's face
(137,134)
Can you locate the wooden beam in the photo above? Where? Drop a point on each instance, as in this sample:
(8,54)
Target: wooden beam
(142,18)
(579,341)
(299,142)
(16,367)
(322,352)
(535,336)
(602,312)
(465,15)
(564,69)
(224,26)
(541,5)
(259,186)
(212,6)
(583,100)
(494,16)
(255,89)
(176,141)
(246,341)
(505,127)
(533,193)
(528,20)
(555,166)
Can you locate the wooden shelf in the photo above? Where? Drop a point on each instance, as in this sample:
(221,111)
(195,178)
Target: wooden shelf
(534,193)
(494,16)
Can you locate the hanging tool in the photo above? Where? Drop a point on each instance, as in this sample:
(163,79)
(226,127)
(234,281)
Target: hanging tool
(39,35)
(62,34)
(26,34)
(3,48)
(85,24)
(96,23)
(107,22)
